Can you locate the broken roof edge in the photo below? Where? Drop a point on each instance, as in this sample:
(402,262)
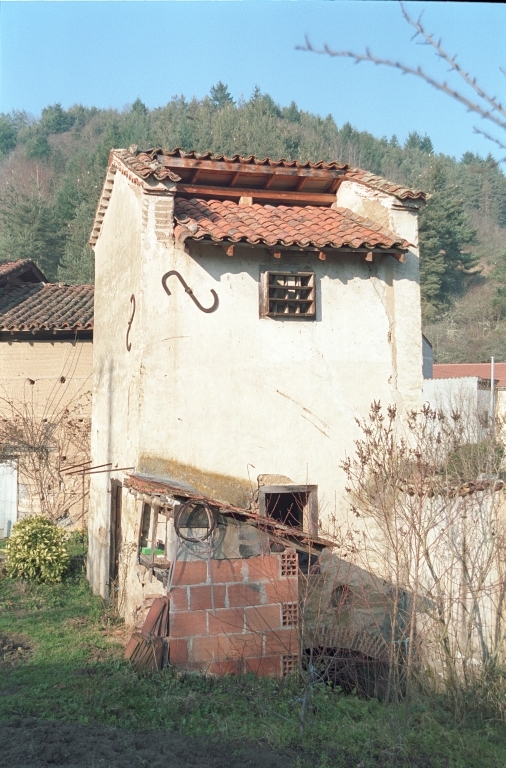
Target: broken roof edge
(157,486)
(141,166)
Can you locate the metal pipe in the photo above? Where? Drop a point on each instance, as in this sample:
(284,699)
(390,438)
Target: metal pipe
(492,376)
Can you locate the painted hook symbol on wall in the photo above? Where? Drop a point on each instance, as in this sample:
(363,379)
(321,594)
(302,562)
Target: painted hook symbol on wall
(128,343)
(189,291)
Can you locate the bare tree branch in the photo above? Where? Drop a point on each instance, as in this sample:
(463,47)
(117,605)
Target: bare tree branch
(495,114)
(452,61)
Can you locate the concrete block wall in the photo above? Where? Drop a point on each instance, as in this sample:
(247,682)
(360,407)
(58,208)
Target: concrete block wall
(254,627)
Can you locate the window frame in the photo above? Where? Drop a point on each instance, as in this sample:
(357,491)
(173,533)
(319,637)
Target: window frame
(265,298)
(309,512)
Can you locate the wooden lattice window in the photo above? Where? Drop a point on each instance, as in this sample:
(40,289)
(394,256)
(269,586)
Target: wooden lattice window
(288,294)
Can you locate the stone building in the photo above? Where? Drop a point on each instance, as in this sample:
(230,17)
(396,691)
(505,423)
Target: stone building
(246,311)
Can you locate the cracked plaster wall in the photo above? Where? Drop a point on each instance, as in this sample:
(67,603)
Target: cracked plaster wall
(218,399)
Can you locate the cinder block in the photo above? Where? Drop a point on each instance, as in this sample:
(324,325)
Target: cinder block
(285,590)
(282,641)
(201,597)
(245,594)
(229,571)
(190,572)
(247,645)
(209,648)
(263,617)
(179,599)
(188,624)
(226,621)
(221,668)
(268,666)
(266,567)
(178,651)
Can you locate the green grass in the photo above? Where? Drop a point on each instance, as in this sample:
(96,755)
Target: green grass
(76,673)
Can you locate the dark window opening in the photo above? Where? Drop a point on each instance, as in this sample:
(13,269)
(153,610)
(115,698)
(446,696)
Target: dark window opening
(295,506)
(286,508)
(144,541)
(153,532)
(309,563)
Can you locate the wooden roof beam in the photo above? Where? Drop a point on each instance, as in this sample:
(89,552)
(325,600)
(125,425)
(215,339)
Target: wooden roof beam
(313,198)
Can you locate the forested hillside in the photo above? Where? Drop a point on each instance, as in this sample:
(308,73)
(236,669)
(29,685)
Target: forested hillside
(52,170)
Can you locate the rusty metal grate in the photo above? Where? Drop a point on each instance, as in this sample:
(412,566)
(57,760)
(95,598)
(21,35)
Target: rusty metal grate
(289,663)
(290,614)
(289,564)
(290,293)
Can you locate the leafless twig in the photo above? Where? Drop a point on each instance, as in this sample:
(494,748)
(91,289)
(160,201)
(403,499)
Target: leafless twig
(495,114)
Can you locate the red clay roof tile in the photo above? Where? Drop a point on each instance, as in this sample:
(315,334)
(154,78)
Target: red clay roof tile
(249,160)
(481,370)
(46,306)
(220,220)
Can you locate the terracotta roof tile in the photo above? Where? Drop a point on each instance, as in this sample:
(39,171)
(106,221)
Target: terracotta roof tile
(249,160)
(22,269)
(377,182)
(481,370)
(6,267)
(46,306)
(144,165)
(280,225)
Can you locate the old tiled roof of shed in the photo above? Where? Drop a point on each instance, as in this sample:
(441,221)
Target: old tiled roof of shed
(158,486)
(45,307)
(480,370)
(221,220)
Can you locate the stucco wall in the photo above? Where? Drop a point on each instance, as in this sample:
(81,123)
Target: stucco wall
(41,379)
(114,436)
(45,363)
(218,399)
(464,396)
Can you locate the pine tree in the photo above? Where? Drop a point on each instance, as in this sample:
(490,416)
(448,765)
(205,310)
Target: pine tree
(220,95)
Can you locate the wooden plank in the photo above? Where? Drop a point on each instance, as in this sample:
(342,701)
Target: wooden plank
(267,170)
(309,198)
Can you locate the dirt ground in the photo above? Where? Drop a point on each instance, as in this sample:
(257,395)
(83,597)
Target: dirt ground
(31,743)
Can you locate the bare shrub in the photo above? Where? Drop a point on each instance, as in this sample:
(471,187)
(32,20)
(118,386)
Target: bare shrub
(431,505)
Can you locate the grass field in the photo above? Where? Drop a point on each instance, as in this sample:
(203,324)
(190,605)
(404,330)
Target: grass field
(61,659)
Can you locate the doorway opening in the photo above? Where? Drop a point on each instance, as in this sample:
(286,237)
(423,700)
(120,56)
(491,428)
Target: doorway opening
(116,490)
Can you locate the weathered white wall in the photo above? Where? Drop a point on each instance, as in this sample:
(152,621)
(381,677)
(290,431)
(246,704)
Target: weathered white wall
(114,436)
(218,399)
(464,396)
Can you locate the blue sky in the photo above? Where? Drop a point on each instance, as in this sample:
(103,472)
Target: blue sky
(107,53)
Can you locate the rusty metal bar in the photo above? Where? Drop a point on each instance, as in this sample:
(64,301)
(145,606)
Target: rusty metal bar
(189,291)
(87,469)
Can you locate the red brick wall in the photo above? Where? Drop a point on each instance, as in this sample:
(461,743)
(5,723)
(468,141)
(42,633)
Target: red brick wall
(253,600)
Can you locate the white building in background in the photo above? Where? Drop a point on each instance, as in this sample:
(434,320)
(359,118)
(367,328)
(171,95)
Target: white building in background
(465,387)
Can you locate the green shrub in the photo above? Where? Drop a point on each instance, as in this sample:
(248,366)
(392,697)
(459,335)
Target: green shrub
(37,551)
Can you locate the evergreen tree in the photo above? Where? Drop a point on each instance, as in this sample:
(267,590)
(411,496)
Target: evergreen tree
(8,134)
(30,230)
(220,95)
(445,234)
